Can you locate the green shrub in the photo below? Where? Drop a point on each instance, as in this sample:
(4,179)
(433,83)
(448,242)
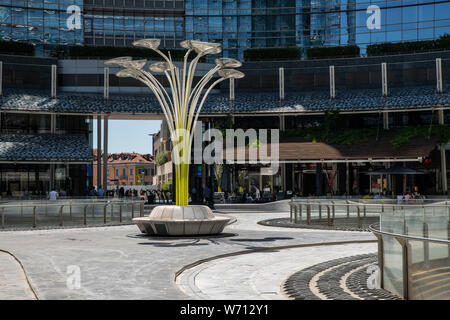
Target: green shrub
(105,52)
(333,52)
(167,186)
(272,54)
(404,135)
(388,48)
(16,48)
(162,158)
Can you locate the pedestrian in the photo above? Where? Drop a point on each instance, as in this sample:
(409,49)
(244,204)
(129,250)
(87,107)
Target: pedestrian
(100,191)
(53,195)
(257,194)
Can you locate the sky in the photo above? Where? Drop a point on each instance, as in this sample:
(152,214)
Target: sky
(129,135)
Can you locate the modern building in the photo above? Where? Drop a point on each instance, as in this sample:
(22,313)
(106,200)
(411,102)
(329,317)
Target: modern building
(237,24)
(41,148)
(127,169)
(162,145)
(48,105)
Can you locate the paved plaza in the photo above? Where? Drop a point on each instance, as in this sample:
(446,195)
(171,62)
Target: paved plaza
(248,261)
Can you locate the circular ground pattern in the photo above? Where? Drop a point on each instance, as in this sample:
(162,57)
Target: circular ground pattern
(339,279)
(346,224)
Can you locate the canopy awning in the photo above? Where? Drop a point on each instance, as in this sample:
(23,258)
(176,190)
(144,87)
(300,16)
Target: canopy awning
(294,150)
(395,170)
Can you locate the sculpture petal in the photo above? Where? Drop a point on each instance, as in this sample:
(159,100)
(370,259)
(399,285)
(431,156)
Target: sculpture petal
(148,43)
(228,63)
(120,61)
(230,73)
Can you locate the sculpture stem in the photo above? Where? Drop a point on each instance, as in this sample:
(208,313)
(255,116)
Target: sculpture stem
(182,184)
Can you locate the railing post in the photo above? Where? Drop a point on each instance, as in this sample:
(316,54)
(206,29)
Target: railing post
(295,215)
(329,216)
(448,237)
(405,271)
(141,210)
(85,213)
(308,214)
(21,210)
(333,209)
(112,209)
(320,212)
(70,208)
(290,210)
(120,213)
(300,212)
(132,210)
(34,217)
(364,206)
(380,259)
(426,245)
(104,213)
(348,209)
(359,216)
(60,216)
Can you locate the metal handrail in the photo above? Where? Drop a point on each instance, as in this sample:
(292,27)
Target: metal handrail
(52,204)
(84,204)
(355,204)
(408,237)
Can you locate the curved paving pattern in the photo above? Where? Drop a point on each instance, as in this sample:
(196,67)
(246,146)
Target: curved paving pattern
(346,224)
(339,279)
(13,282)
(258,275)
(115,263)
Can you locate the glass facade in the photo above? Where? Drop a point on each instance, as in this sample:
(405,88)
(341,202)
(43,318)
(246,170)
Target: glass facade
(42,21)
(238,24)
(34,181)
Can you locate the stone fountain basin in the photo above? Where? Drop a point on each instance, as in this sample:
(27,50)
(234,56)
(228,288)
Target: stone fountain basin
(181,221)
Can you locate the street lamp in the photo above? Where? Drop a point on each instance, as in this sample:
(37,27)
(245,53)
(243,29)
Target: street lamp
(182,105)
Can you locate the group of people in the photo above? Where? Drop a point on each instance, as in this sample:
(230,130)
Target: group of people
(410,195)
(202,196)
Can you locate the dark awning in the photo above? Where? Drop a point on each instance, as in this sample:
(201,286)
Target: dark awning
(395,170)
(45,147)
(372,150)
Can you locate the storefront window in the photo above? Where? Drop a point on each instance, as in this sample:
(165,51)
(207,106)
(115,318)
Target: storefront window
(25,123)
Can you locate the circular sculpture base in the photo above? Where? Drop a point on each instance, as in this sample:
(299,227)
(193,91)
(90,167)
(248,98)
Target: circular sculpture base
(181,221)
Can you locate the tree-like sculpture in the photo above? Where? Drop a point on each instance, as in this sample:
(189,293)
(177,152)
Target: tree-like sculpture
(182,106)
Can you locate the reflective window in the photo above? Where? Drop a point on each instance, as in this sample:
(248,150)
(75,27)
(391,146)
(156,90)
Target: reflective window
(238,24)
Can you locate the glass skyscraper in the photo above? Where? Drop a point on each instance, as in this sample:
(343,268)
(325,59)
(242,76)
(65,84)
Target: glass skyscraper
(237,24)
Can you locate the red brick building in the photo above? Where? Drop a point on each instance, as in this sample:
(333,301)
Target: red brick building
(127,169)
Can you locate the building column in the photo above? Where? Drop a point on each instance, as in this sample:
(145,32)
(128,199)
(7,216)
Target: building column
(386,120)
(52,176)
(105,152)
(347,178)
(319,178)
(99,151)
(443,156)
(283,165)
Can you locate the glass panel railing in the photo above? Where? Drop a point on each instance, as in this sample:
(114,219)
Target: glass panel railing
(392,267)
(63,213)
(429,270)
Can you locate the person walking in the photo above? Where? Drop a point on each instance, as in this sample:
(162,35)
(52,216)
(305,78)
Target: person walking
(100,191)
(53,195)
(257,194)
